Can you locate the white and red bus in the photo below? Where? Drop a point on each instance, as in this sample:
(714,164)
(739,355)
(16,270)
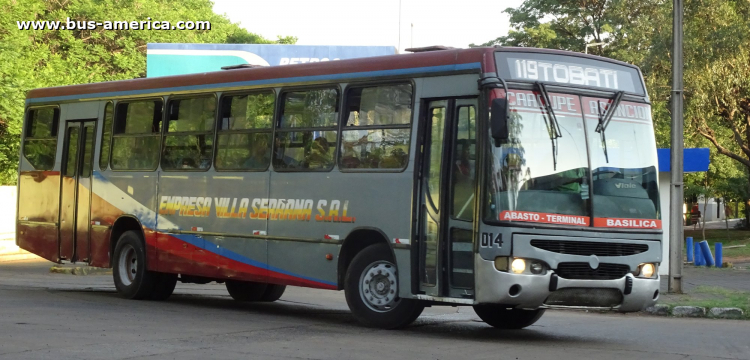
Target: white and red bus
(508,179)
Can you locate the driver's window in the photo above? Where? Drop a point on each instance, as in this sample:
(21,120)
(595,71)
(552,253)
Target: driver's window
(464,164)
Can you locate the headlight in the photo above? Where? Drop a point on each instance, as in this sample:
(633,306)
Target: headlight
(518,266)
(648,270)
(536,267)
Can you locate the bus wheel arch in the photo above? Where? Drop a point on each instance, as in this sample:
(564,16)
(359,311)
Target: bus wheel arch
(357,240)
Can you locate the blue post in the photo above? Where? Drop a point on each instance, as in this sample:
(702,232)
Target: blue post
(719,249)
(689,248)
(707,256)
(698,255)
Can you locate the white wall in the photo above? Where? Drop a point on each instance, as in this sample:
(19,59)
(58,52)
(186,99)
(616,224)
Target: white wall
(7,212)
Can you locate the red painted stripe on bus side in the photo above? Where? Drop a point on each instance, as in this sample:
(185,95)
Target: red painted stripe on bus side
(182,257)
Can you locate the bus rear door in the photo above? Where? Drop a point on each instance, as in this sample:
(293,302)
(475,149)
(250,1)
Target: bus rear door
(446,265)
(75,191)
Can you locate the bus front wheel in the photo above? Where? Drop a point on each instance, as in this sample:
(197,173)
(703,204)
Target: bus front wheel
(501,317)
(371,288)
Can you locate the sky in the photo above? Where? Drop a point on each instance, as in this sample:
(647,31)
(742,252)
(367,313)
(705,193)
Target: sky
(456,23)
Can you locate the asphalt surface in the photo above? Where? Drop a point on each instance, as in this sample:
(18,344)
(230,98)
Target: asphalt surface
(56,316)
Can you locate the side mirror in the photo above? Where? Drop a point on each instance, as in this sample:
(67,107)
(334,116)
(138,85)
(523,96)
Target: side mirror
(499,121)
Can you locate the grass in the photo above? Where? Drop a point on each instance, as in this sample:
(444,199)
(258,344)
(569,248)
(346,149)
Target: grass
(727,238)
(712,296)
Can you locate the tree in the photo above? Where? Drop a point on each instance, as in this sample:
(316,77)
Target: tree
(41,58)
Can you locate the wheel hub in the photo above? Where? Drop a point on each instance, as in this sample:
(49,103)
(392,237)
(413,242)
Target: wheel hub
(128,265)
(378,286)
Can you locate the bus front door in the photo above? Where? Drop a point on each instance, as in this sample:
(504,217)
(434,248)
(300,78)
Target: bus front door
(75,191)
(448,183)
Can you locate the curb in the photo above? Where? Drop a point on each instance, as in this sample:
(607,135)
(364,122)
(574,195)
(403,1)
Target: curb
(695,312)
(79,270)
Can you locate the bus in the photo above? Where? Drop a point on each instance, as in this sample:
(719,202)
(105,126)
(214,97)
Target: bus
(513,180)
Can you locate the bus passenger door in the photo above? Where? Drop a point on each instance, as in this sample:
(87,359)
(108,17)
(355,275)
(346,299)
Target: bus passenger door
(75,191)
(446,266)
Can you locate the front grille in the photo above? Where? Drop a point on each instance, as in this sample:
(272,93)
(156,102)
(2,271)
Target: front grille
(588,248)
(585,297)
(582,271)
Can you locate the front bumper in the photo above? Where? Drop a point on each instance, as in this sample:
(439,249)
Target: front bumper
(534,291)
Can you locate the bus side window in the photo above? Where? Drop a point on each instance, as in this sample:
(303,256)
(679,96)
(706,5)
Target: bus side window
(189,140)
(378,128)
(136,135)
(306,138)
(106,136)
(40,142)
(464,164)
(245,131)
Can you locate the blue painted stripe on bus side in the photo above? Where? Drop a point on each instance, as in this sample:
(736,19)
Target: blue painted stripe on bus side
(379,73)
(224,252)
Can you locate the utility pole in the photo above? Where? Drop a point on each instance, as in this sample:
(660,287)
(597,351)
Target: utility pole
(676,188)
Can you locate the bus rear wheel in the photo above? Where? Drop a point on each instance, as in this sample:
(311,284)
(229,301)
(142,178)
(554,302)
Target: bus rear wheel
(132,280)
(273,292)
(246,290)
(501,317)
(371,289)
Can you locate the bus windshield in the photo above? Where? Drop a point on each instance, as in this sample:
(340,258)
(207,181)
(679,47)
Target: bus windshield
(623,162)
(542,177)
(539,175)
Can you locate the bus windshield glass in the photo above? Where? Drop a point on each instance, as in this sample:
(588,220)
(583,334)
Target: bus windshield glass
(623,163)
(540,175)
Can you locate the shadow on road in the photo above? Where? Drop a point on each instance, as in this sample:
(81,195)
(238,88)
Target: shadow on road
(464,326)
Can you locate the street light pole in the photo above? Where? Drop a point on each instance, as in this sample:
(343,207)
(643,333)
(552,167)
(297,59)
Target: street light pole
(399,25)
(586,50)
(676,188)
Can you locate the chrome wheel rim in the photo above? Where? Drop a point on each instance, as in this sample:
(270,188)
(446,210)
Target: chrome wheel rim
(128,265)
(378,286)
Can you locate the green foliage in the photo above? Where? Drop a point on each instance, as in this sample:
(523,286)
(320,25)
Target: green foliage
(42,58)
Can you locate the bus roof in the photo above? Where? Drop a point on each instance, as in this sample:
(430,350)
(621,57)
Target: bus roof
(390,65)
(430,62)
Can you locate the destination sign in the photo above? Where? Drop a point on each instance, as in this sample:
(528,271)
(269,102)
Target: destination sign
(569,70)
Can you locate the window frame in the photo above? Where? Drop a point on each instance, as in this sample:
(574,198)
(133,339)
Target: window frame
(277,129)
(159,134)
(111,133)
(410,126)
(28,125)
(271,129)
(164,133)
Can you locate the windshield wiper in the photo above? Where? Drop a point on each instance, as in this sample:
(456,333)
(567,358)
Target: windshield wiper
(553,125)
(605,118)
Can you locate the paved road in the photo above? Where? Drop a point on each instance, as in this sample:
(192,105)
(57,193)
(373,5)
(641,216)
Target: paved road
(48,316)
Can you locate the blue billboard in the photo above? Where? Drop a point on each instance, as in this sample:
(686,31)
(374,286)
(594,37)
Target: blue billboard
(177,59)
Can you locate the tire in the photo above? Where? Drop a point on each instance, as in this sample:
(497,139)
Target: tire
(132,280)
(503,318)
(246,290)
(372,272)
(273,292)
(163,286)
